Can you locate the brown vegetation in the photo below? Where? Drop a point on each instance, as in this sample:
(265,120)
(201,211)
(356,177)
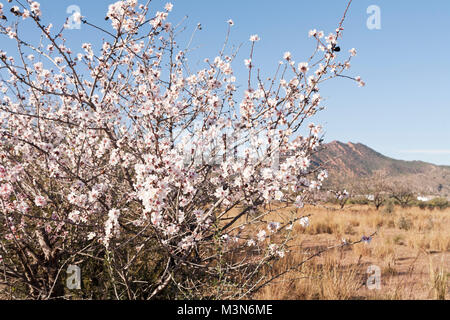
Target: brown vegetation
(411,247)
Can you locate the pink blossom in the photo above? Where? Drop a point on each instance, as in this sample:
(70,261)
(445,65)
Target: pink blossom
(304,222)
(261,236)
(273,226)
(287,56)
(303,67)
(5,190)
(2,173)
(35,8)
(168,6)
(40,201)
(254,38)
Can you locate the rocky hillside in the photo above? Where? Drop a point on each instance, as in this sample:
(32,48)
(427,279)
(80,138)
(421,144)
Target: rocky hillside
(355,160)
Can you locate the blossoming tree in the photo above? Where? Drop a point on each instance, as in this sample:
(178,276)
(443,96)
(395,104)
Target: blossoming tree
(156,180)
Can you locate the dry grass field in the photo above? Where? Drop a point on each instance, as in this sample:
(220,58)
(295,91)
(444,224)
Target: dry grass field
(411,248)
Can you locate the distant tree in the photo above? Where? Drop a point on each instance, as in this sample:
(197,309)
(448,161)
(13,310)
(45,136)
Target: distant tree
(341,197)
(340,188)
(375,188)
(402,192)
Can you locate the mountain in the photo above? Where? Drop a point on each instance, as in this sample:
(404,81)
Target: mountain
(350,161)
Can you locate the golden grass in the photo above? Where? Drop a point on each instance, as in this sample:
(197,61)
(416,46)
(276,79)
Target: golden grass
(328,279)
(411,247)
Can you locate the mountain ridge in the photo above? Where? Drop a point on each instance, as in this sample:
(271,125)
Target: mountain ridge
(351,160)
(350,143)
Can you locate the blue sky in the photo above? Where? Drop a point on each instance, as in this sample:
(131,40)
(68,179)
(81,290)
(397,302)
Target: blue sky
(403,111)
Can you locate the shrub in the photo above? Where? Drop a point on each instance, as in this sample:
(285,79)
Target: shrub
(398,240)
(404,223)
(359,201)
(147,174)
(389,207)
(439,203)
(422,205)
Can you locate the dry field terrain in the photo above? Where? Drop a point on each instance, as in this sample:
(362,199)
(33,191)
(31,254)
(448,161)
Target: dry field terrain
(411,248)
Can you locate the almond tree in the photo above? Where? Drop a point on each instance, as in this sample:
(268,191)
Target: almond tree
(402,192)
(157,180)
(377,187)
